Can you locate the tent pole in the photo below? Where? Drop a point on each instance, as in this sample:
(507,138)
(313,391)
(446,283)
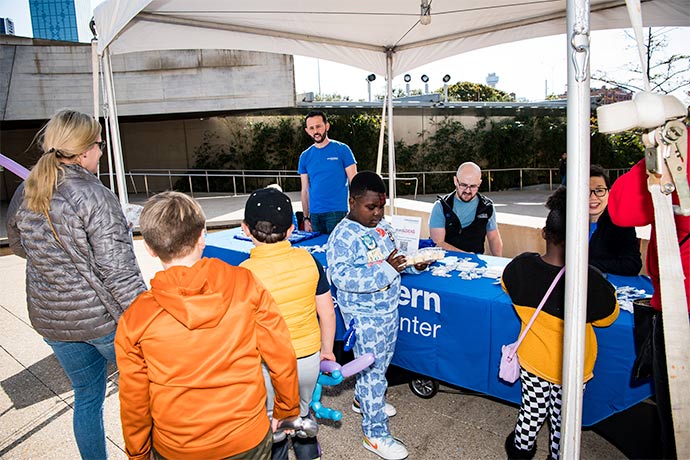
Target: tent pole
(391,142)
(382,132)
(94,75)
(114,129)
(577,217)
(106,120)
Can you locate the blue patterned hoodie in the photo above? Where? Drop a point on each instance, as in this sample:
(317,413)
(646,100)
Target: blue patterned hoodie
(357,267)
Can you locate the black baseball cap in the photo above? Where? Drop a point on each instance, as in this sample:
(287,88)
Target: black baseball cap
(269,205)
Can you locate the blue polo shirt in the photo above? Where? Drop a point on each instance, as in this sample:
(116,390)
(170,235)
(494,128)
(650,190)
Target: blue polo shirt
(327,178)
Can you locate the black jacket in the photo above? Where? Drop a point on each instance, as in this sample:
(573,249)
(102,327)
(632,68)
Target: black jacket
(470,238)
(614,249)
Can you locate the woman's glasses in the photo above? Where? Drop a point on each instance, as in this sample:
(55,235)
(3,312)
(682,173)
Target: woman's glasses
(101,145)
(598,192)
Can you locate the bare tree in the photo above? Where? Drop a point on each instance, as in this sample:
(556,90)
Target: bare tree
(666,73)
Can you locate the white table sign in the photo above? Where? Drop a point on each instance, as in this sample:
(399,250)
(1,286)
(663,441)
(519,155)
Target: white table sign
(407,232)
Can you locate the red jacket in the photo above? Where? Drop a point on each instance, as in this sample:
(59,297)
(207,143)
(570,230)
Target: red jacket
(630,205)
(189,352)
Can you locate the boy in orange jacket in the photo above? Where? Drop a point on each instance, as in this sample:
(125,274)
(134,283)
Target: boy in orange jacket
(189,350)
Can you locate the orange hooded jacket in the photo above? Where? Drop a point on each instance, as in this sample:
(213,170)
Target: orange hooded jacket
(189,353)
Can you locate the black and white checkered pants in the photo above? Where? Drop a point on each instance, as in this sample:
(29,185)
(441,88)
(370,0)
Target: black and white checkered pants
(539,400)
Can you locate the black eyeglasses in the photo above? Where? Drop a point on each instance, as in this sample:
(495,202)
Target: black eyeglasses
(102,145)
(463,186)
(598,192)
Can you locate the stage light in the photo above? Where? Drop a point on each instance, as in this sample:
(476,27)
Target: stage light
(425,79)
(446,79)
(371,77)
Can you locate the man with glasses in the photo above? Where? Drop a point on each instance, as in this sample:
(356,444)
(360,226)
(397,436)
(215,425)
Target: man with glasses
(463,219)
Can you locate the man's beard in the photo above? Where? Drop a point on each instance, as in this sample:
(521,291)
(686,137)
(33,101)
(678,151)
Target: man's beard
(322,138)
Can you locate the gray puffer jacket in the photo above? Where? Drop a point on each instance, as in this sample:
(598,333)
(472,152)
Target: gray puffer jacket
(76,288)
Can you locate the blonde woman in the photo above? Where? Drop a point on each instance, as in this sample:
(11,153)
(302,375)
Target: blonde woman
(81,273)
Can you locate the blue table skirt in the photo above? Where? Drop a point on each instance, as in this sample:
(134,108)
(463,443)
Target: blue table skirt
(452,330)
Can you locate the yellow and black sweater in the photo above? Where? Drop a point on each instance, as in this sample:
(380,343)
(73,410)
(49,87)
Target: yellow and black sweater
(526,279)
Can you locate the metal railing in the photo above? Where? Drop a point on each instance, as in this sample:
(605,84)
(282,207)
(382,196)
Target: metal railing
(244,181)
(491,175)
(241,176)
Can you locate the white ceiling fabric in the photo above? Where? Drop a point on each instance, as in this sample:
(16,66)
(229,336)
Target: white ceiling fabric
(354,32)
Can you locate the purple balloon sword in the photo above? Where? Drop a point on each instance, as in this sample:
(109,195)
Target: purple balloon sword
(13,166)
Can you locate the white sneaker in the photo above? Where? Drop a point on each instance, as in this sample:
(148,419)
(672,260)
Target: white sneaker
(390,410)
(387,448)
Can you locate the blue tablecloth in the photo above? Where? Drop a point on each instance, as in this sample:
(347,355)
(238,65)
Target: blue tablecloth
(452,330)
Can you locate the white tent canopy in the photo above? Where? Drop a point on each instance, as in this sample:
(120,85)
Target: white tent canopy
(381,36)
(387,37)
(354,32)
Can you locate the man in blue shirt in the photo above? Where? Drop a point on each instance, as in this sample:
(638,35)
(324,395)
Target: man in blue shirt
(461,220)
(326,168)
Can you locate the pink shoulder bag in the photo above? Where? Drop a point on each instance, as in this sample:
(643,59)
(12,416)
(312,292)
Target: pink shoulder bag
(509,369)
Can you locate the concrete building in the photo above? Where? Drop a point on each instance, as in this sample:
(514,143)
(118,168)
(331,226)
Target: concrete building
(170,102)
(170,95)
(39,77)
(66,20)
(604,95)
(6,26)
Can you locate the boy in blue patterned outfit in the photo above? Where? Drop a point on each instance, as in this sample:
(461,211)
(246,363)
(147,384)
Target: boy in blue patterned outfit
(365,266)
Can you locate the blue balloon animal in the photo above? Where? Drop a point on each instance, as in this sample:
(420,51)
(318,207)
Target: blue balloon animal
(333,374)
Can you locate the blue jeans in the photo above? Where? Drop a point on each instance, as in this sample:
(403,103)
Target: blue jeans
(86,364)
(325,222)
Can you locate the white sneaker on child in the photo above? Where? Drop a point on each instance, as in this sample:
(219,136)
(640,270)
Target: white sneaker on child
(390,409)
(387,447)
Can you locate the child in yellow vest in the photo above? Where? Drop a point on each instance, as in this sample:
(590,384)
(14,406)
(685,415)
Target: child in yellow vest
(298,283)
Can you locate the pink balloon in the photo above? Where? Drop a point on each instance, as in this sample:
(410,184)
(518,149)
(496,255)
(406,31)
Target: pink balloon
(329,366)
(357,365)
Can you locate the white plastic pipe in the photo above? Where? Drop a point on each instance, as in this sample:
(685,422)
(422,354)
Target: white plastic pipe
(635,14)
(382,132)
(577,215)
(391,142)
(116,145)
(94,76)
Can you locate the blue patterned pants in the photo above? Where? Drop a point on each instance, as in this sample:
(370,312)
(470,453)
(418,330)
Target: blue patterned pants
(377,335)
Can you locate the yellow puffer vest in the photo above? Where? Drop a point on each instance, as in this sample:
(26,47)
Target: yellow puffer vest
(291,276)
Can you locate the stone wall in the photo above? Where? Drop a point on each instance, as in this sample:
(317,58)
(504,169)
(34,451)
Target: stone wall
(39,77)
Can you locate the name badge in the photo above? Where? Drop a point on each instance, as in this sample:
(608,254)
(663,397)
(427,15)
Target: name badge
(374,255)
(368,241)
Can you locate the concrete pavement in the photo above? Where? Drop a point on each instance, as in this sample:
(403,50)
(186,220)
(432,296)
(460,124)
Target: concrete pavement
(35,395)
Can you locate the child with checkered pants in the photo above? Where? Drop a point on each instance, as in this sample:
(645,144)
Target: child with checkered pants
(526,279)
